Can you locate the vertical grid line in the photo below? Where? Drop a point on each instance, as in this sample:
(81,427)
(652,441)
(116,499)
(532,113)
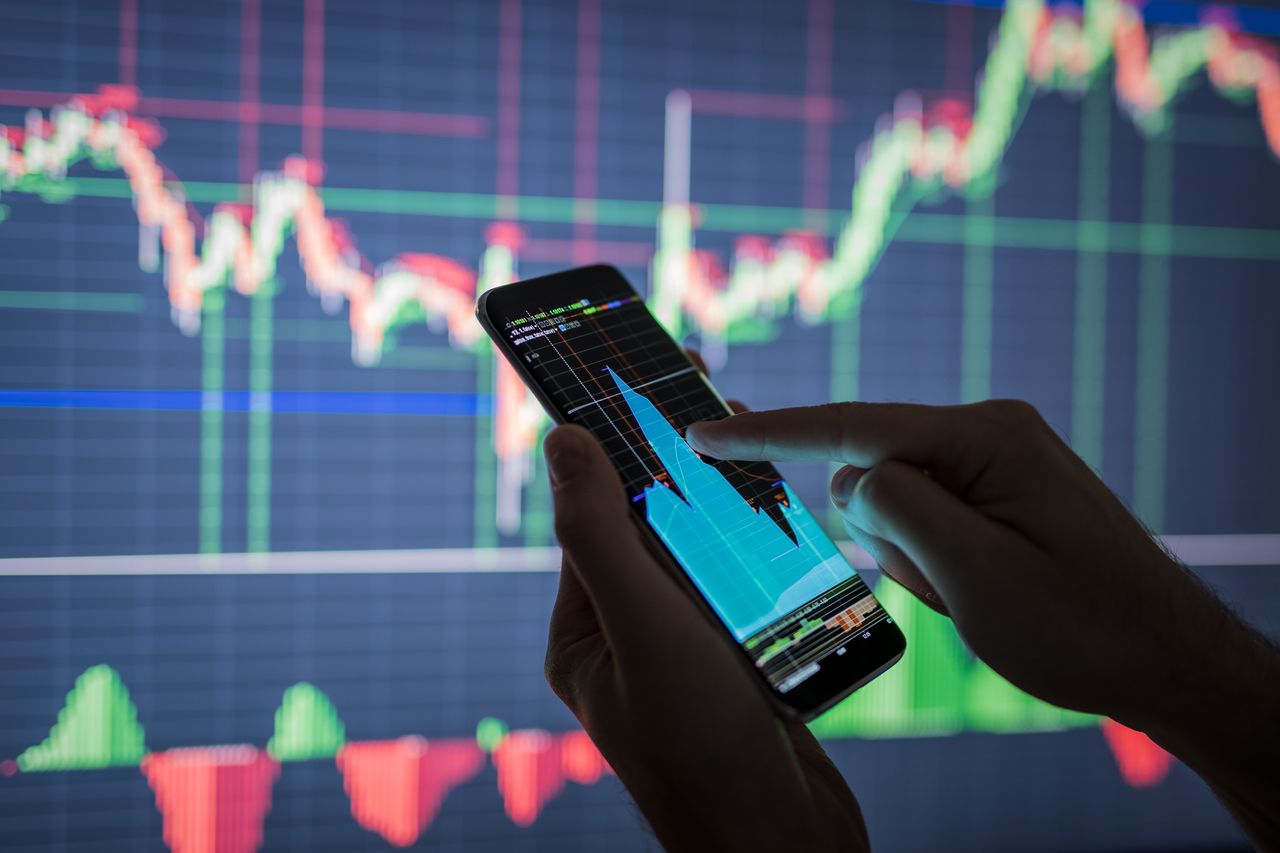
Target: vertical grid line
(586,131)
(817,128)
(262,303)
(313,80)
(510,27)
(978,272)
(977,298)
(128,52)
(1154,296)
(250,63)
(1089,359)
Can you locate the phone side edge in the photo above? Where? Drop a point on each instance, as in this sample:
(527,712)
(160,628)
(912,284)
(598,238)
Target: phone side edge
(813,713)
(500,343)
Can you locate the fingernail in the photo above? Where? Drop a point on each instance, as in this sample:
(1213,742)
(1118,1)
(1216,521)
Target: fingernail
(842,485)
(565,457)
(696,434)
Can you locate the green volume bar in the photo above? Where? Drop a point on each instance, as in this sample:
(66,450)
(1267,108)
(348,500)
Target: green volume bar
(261,344)
(98,727)
(1153,333)
(1089,374)
(307,726)
(212,383)
(923,694)
(937,688)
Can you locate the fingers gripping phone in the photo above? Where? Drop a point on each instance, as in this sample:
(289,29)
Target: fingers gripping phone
(748,550)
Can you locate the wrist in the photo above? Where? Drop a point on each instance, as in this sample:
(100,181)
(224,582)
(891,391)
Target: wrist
(1225,731)
(1193,660)
(691,802)
(1216,706)
(686,813)
(1225,694)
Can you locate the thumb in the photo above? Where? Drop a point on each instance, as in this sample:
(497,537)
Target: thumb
(950,541)
(594,525)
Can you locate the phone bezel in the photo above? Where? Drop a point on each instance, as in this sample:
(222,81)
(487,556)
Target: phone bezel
(817,697)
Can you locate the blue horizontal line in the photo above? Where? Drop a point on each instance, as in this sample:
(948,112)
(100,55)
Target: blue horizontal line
(1249,19)
(437,403)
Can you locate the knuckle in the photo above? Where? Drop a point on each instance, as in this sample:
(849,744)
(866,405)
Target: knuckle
(1017,416)
(1022,437)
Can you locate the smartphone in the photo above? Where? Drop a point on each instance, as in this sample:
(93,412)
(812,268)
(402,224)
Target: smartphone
(736,535)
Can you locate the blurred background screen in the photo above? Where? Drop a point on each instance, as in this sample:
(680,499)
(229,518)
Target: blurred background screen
(278,550)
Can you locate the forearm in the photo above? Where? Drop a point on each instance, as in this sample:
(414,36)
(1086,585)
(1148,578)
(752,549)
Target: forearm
(733,811)
(1223,722)
(742,793)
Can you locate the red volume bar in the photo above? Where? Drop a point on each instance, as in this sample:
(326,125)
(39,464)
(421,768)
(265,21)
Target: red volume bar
(397,786)
(1143,763)
(213,799)
(533,766)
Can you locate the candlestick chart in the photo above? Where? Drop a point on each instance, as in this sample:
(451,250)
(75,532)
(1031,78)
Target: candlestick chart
(913,154)
(275,556)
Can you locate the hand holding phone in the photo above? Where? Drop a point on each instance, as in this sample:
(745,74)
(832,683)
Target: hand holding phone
(747,549)
(1047,575)
(666,700)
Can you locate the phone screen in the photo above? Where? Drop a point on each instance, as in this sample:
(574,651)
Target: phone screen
(758,557)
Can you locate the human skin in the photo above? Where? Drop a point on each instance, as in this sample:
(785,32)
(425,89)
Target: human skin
(988,517)
(662,694)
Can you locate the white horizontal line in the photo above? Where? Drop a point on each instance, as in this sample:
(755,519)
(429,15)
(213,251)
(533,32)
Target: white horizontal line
(415,561)
(1261,549)
(598,400)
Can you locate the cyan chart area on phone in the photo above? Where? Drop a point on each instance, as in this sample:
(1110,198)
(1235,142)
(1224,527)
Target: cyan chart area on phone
(761,560)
